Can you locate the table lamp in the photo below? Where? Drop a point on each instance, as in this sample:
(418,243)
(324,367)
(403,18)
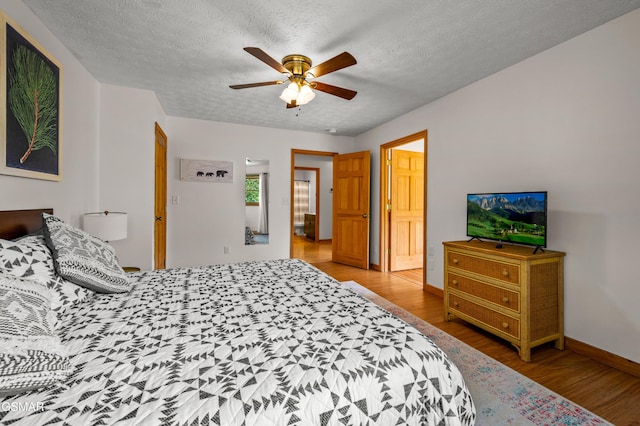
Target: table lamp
(108,226)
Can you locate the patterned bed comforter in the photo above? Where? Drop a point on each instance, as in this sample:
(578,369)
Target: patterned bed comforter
(258,343)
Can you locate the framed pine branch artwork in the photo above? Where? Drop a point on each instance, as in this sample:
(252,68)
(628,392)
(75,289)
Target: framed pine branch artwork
(30,106)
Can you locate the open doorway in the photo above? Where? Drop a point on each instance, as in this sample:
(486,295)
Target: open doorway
(306,202)
(311,221)
(344,206)
(403,207)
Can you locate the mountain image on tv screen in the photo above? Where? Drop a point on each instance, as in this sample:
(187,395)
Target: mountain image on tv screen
(519,217)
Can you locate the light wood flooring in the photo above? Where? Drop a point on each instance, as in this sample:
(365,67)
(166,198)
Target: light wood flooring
(605,391)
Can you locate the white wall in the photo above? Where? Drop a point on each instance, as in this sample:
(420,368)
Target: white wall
(566,121)
(77,193)
(210,216)
(127,166)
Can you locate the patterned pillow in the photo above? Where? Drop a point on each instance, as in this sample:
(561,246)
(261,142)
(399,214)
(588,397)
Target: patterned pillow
(30,257)
(31,355)
(65,293)
(83,259)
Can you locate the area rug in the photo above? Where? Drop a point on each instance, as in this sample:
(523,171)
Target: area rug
(502,395)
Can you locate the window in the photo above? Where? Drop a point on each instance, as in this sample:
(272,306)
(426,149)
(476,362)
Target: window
(252,190)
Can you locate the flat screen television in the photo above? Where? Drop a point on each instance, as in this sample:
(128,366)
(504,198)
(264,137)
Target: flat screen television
(514,217)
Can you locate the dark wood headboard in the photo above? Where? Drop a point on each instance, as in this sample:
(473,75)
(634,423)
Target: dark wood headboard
(16,223)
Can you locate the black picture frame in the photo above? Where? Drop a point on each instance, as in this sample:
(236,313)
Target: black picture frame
(30,106)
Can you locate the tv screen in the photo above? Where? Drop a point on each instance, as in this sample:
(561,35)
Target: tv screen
(515,217)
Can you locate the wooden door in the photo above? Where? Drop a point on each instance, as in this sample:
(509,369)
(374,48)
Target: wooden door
(407,214)
(351,186)
(160,209)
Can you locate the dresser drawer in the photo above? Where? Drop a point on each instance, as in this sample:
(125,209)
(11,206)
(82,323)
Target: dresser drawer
(489,268)
(496,320)
(500,296)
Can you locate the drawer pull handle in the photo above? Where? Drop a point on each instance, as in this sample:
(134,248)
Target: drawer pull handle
(505,325)
(455,304)
(505,272)
(505,299)
(455,261)
(454,282)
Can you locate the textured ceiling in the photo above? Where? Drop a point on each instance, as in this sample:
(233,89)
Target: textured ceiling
(409,52)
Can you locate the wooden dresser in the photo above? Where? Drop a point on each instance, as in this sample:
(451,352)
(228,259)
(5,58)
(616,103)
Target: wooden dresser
(508,291)
(310,226)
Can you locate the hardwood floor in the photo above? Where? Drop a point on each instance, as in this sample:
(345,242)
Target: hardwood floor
(413,275)
(605,391)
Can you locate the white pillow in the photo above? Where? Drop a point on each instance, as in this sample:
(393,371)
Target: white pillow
(29,257)
(31,354)
(65,293)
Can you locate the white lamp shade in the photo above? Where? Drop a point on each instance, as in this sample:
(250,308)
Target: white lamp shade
(305,96)
(108,226)
(290,93)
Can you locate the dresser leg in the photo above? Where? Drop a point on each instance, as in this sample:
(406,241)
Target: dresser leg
(524,353)
(559,343)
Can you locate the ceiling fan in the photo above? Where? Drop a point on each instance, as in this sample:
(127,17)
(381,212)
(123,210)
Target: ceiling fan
(300,73)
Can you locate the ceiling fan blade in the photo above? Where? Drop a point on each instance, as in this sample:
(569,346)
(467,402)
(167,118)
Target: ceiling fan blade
(292,104)
(264,83)
(260,54)
(336,63)
(335,90)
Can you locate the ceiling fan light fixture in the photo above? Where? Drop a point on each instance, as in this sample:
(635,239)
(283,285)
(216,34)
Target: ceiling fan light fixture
(301,75)
(290,93)
(305,96)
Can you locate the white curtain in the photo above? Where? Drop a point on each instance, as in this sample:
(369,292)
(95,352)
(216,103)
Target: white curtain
(300,201)
(263,226)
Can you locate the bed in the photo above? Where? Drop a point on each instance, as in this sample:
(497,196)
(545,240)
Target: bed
(257,343)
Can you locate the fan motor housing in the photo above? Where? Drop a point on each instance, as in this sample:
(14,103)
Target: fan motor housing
(296,64)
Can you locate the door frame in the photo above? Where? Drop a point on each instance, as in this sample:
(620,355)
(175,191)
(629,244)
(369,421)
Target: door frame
(384,189)
(295,151)
(317,197)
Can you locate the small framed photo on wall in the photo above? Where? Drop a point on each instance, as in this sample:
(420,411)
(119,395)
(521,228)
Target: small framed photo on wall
(206,171)
(30,106)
